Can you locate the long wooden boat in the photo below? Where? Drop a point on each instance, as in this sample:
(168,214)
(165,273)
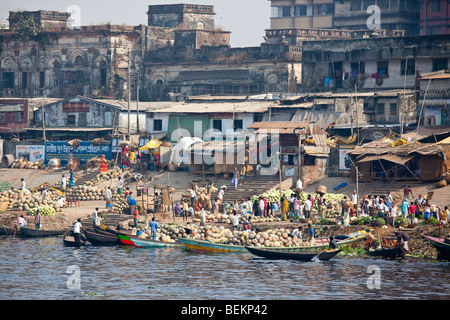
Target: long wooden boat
(441,246)
(388,253)
(69,240)
(98,238)
(293,255)
(36,233)
(10,232)
(147,243)
(208,246)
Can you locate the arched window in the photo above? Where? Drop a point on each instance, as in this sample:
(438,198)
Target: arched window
(79,61)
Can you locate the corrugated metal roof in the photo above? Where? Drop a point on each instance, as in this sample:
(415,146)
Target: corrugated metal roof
(322,118)
(217,107)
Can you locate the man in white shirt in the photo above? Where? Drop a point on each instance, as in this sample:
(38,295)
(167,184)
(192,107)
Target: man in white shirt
(235,221)
(63,182)
(96,218)
(221,194)
(307,207)
(21,222)
(297,233)
(22,184)
(77,230)
(119,186)
(354,199)
(261,206)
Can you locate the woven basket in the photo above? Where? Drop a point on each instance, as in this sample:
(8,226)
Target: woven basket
(441,183)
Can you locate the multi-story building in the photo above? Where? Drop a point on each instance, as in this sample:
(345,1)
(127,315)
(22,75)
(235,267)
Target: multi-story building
(391,15)
(293,14)
(434,17)
(372,64)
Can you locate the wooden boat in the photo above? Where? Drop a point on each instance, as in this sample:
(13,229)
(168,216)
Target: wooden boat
(124,239)
(99,238)
(69,240)
(208,246)
(36,233)
(148,243)
(293,255)
(388,253)
(441,246)
(9,232)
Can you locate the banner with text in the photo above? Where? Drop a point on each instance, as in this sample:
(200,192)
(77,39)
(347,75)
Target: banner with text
(85,152)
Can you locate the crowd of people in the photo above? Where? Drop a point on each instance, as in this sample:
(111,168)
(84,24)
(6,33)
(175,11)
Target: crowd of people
(409,207)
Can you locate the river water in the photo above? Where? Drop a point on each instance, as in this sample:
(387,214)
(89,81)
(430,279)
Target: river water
(47,270)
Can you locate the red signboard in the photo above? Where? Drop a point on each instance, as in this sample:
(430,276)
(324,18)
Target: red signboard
(76,107)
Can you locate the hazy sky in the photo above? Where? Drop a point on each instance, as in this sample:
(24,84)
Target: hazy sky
(246,19)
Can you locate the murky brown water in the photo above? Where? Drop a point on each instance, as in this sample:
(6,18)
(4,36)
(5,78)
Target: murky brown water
(38,269)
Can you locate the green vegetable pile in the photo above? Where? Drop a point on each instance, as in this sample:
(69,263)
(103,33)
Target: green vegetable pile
(5,186)
(44,210)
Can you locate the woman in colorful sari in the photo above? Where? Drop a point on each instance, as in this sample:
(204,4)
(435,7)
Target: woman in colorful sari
(103,166)
(284,207)
(72,178)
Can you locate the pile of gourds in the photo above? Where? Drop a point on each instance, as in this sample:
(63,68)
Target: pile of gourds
(19,200)
(21,163)
(280,237)
(102,177)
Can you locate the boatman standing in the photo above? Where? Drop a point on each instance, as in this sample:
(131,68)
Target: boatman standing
(154,229)
(77,231)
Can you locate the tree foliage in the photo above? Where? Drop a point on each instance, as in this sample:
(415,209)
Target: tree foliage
(29,29)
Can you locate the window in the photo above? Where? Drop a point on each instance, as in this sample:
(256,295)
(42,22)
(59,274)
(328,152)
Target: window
(78,62)
(82,119)
(108,119)
(434,30)
(299,11)
(380,108)
(42,79)
(435,5)
(431,121)
(359,67)
(440,64)
(276,12)
(103,77)
(70,119)
(18,117)
(355,5)
(410,67)
(238,124)
(3,118)
(286,11)
(217,124)
(157,125)
(383,67)
(24,80)
(393,109)
(8,80)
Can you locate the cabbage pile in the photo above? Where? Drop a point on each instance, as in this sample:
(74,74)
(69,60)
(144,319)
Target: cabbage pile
(274,196)
(44,210)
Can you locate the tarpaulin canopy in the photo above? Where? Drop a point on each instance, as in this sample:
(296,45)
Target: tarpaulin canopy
(387,157)
(152,144)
